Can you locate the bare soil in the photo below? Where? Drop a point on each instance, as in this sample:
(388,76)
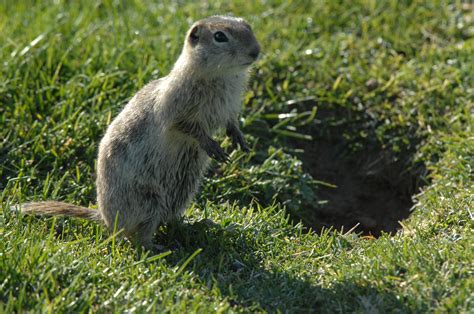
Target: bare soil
(372,190)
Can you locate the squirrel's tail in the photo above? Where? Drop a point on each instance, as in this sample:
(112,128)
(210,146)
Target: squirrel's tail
(59,208)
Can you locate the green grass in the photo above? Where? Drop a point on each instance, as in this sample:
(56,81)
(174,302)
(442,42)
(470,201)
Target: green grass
(68,67)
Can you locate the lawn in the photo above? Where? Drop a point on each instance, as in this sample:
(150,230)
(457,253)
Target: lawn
(359,114)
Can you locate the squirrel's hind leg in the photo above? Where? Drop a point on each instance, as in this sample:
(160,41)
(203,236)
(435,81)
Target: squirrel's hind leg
(144,236)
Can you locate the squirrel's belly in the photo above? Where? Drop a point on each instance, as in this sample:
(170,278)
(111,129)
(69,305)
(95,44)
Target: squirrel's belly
(181,177)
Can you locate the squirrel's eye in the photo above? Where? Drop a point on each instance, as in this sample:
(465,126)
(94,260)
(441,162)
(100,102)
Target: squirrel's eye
(220,37)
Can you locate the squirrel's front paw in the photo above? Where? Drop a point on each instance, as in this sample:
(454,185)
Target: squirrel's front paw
(214,150)
(238,139)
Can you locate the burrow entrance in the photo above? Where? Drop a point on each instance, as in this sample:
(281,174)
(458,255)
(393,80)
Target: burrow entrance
(370,187)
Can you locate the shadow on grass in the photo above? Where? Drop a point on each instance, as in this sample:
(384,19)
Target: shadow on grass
(238,262)
(232,261)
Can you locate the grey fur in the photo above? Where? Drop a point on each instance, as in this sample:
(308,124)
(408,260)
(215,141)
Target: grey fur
(153,155)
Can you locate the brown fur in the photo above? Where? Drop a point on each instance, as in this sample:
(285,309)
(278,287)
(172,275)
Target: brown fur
(59,208)
(153,155)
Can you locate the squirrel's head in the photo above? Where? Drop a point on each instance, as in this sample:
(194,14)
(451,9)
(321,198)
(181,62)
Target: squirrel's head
(221,44)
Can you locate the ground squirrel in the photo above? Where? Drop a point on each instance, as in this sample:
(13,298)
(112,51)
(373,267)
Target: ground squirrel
(154,153)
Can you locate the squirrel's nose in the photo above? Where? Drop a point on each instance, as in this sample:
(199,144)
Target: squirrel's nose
(254,52)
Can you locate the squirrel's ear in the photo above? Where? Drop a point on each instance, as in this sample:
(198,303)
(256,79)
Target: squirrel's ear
(194,35)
